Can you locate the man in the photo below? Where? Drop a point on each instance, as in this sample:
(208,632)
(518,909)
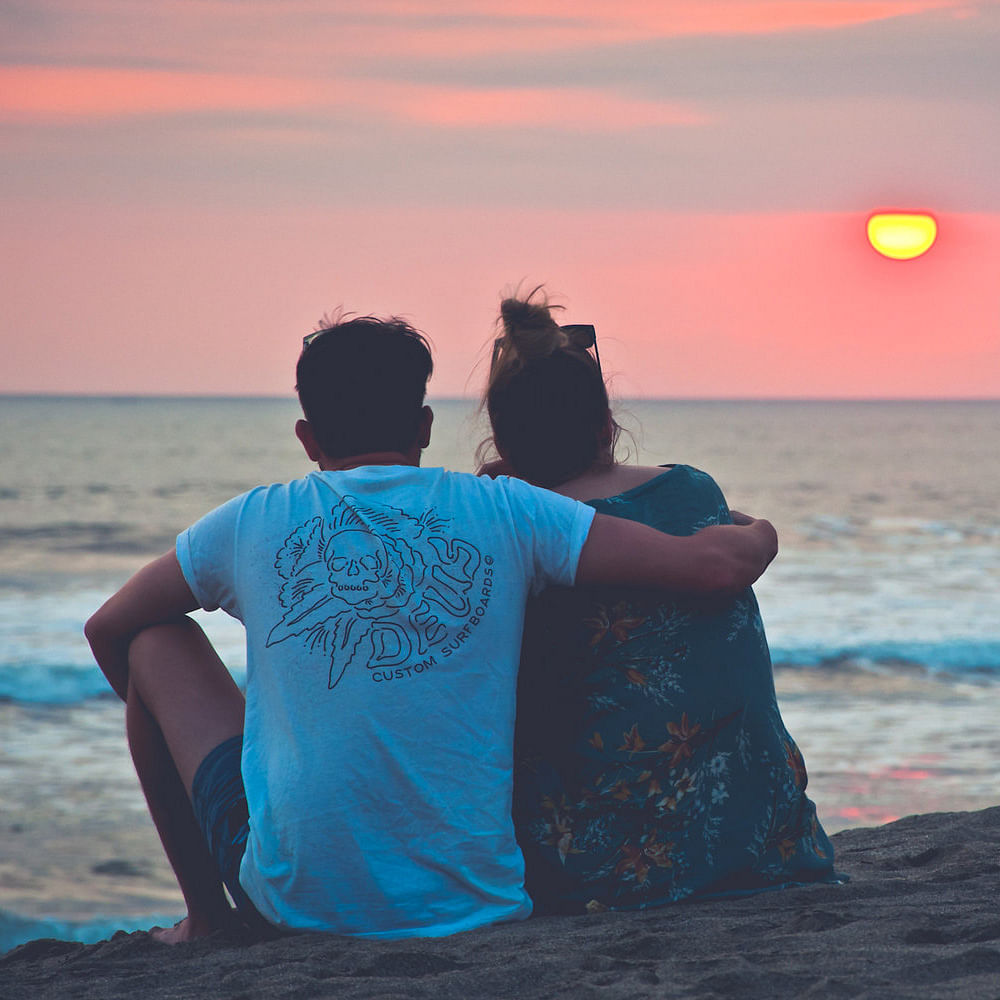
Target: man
(364,785)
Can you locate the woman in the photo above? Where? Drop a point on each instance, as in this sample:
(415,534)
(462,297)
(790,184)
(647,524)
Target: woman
(652,762)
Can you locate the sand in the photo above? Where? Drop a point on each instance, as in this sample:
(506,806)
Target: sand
(919,919)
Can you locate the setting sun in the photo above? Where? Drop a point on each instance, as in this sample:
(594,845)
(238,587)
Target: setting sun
(900,235)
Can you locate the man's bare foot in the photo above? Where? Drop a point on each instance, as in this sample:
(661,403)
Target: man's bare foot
(187,929)
(181,931)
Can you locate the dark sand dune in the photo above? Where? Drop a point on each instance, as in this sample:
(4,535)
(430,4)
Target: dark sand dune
(919,918)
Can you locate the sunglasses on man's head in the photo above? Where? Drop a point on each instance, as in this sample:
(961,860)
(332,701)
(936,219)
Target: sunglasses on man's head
(582,336)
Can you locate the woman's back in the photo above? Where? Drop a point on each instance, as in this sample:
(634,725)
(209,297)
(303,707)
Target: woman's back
(652,762)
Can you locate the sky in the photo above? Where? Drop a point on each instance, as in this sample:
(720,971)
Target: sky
(186,187)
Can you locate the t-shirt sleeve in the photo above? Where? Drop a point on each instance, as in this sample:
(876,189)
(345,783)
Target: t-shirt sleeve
(207,555)
(559,527)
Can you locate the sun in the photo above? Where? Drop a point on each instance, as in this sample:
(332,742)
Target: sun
(902,235)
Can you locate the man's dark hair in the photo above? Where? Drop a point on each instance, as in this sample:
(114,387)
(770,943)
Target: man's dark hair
(361,383)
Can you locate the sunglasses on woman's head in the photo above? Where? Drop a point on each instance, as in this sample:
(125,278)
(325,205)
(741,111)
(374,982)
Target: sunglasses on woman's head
(310,337)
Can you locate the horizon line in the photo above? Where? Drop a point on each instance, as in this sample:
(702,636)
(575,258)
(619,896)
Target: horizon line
(234,397)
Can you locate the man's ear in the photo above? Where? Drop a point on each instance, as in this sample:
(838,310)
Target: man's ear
(424,433)
(304,432)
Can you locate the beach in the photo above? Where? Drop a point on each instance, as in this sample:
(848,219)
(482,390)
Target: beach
(918,918)
(880,611)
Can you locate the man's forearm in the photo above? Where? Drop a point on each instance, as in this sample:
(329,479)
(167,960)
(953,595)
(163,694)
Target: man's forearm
(718,559)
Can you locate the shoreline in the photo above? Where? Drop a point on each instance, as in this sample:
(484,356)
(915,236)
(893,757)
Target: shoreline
(77,847)
(918,918)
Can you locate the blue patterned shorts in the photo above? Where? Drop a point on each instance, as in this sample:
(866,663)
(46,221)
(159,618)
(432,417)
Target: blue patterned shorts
(220,806)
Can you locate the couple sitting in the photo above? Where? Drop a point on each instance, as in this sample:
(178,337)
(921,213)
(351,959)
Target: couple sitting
(364,785)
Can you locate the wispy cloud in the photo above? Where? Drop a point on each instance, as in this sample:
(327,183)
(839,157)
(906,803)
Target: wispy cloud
(43,93)
(715,104)
(47,92)
(568,108)
(651,18)
(275,36)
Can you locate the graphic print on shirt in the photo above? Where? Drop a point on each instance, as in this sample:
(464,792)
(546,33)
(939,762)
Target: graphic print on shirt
(374,584)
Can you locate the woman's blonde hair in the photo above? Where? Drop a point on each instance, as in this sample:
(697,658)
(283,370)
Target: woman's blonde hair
(545,396)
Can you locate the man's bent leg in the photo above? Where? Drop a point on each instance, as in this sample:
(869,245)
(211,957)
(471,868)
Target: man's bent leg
(182,703)
(182,839)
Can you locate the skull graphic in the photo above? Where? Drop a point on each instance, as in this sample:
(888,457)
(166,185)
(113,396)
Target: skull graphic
(358,565)
(375,587)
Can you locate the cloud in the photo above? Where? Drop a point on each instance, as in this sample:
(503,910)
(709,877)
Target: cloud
(570,108)
(281,36)
(934,55)
(329,104)
(46,92)
(792,154)
(40,93)
(645,18)
(295,53)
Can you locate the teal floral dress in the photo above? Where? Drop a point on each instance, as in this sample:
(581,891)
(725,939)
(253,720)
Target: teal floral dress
(652,764)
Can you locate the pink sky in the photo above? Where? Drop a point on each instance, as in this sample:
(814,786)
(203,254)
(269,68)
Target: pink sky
(694,178)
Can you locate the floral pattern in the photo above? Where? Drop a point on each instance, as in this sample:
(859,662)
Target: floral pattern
(652,762)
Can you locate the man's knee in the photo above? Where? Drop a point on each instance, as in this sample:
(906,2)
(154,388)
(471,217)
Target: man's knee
(154,638)
(153,644)
(177,679)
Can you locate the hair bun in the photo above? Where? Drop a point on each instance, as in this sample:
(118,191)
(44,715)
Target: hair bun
(529,330)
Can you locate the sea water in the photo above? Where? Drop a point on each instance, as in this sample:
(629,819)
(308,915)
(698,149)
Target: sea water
(882,609)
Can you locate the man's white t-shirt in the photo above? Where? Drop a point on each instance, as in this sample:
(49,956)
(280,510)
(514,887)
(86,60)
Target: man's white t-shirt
(383,608)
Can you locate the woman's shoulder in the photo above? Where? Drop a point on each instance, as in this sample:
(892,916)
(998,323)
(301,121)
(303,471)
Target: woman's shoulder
(679,500)
(641,481)
(612,481)
(622,480)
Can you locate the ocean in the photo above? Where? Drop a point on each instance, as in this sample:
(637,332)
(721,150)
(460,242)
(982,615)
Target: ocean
(882,608)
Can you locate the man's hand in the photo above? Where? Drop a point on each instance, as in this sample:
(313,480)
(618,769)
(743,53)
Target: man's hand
(718,559)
